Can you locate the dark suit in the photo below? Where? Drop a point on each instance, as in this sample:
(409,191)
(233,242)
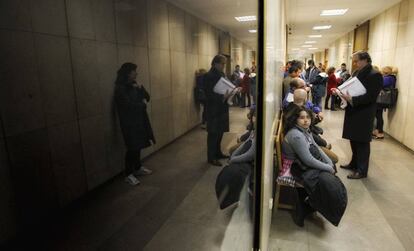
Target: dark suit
(217,115)
(359,118)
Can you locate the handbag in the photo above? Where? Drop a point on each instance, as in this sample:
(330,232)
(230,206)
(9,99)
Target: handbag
(387,98)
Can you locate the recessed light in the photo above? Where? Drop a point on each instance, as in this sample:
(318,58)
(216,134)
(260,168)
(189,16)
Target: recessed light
(337,12)
(245,18)
(252,31)
(322,27)
(314,36)
(306,45)
(313,48)
(310,42)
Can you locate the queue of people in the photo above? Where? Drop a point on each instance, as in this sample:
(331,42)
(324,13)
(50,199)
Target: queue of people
(309,158)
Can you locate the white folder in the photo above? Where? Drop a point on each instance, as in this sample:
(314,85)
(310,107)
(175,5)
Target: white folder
(223,86)
(353,86)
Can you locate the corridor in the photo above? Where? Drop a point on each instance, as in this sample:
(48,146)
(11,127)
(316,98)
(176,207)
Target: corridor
(379,215)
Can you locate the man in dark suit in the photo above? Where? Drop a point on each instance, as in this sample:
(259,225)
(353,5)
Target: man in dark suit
(360,114)
(217,111)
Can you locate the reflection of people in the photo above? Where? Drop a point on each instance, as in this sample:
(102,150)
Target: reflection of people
(217,111)
(245,85)
(130,98)
(359,115)
(389,82)
(200,94)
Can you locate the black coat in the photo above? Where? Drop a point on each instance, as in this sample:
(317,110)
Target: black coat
(359,117)
(132,112)
(217,108)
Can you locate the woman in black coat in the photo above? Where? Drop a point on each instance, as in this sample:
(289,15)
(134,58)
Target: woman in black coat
(130,100)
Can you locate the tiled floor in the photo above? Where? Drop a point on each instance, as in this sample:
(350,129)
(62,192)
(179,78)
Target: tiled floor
(174,209)
(380,213)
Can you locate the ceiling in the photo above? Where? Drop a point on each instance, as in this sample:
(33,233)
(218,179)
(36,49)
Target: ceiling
(221,13)
(302,15)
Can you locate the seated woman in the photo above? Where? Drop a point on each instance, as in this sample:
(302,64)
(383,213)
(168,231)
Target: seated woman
(315,168)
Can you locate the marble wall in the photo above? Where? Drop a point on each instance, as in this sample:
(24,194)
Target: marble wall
(391,42)
(58,65)
(340,51)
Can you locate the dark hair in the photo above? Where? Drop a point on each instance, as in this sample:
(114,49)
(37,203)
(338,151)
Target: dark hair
(311,62)
(237,66)
(123,73)
(343,64)
(292,117)
(294,83)
(295,66)
(363,55)
(218,59)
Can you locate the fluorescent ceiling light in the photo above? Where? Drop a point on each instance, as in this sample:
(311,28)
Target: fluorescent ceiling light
(314,36)
(245,18)
(322,27)
(337,12)
(306,45)
(310,42)
(313,48)
(252,31)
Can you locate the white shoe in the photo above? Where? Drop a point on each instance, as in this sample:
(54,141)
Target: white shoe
(132,180)
(143,171)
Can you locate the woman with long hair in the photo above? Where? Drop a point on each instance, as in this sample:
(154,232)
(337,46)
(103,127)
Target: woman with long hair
(130,100)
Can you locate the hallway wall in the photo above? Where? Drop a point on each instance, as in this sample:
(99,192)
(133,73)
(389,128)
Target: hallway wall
(391,42)
(340,51)
(58,65)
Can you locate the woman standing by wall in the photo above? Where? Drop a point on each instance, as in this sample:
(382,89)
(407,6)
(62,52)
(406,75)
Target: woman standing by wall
(130,99)
(389,82)
(332,83)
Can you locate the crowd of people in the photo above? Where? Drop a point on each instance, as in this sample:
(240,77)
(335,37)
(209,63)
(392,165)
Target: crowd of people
(307,158)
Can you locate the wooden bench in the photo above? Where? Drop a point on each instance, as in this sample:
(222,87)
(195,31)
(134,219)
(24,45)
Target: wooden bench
(283,189)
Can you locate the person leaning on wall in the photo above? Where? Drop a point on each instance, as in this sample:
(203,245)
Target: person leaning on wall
(359,115)
(130,99)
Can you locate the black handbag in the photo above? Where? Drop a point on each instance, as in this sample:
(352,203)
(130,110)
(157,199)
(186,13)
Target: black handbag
(387,98)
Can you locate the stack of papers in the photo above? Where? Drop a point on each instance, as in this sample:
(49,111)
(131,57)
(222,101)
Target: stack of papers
(352,86)
(223,86)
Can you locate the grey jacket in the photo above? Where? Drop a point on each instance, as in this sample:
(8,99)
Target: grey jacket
(296,145)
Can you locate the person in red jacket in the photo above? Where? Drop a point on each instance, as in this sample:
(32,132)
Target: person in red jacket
(332,83)
(245,85)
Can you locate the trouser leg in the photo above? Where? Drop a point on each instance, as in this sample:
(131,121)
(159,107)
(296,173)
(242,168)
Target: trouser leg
(380,121)
(353,162)
(363,153)
(218,145)
(131,157)
(212,146)
(249,101)
(333,102)
(327,100)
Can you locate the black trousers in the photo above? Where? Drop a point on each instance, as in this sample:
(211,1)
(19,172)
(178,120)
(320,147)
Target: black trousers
(380,120)
(132,161)
(214,145)
(332,97)
(360,156)
(243,101)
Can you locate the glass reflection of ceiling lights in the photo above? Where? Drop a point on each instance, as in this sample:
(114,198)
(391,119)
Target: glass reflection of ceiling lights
(245,18)
(313,48)
(253,31)
(322,27)
(295,49)
(336,12)
(315,36)
(310,42)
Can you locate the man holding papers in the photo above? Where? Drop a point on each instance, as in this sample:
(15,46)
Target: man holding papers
(217,108)
(361,94)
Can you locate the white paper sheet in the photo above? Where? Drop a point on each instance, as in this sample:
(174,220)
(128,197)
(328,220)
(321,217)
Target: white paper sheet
(223,86)
(289,97)
(353,86)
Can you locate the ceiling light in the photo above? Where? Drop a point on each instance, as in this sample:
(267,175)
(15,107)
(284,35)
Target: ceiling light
(322,27)
(245,18)
(314,36)
(310,42)
(252,31)
(306,45)
(313,48)
(295,49)
(337,12)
